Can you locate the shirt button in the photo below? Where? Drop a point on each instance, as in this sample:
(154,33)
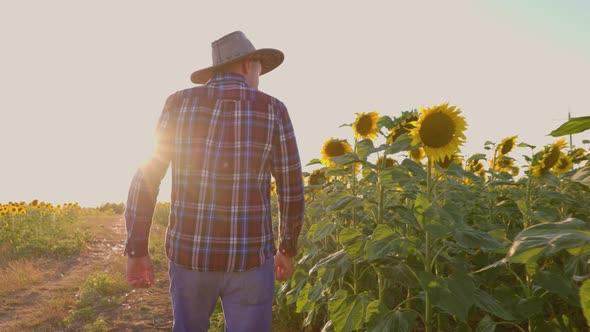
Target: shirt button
(132,253)
(225,164)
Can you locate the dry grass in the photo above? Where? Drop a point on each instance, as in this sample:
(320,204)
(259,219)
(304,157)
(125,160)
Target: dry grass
(46,317)
(18,275)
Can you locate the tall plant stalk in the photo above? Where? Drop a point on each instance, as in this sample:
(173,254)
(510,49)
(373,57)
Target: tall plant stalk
(428,307)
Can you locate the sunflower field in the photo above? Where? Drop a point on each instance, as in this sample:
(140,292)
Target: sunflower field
(411,235)
(39,228)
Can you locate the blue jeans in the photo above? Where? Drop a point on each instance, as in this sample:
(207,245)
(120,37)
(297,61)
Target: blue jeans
(246,298)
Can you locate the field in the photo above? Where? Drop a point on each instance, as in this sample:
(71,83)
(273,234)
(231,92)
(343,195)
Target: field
(402,233)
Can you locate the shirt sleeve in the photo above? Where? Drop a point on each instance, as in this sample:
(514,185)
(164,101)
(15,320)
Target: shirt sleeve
(286,169)
(145,186)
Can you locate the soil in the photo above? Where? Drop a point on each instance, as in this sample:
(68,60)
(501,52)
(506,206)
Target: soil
(44,305)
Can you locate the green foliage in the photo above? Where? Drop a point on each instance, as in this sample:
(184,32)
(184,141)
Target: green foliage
(572,126)
(409,247)
(112,208)
(100,291)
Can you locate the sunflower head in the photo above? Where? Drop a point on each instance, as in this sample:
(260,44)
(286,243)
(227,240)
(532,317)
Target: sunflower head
(334,148)
(440,131)
(548,157)
(447,161)
(365,125)
(563,165)
(316,178)
(417,154)
(577,155)
(505,164)
(381,164)
(476,167)
(506,145)
(403,125)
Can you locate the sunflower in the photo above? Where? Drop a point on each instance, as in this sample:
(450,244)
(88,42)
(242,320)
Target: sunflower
(563,165)
(404,126)
(549,157)
(577,155)
(417,154)
(334,148)
(440,131)
(365,125)
(476,167)
(506,145)
(316,178)
(447,161)
(505,164)
(388,163)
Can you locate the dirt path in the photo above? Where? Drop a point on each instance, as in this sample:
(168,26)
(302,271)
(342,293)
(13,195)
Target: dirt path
(44,305)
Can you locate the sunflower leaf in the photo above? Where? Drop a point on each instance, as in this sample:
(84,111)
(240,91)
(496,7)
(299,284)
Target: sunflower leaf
(582,176)
(477,156)
(314,162)
(572,126)
(385,121)
(402,143)
(525,145)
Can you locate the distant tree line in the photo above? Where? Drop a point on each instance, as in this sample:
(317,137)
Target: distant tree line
(115,208)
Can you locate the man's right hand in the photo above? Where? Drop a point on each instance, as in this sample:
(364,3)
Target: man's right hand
(283,267)
(140,272)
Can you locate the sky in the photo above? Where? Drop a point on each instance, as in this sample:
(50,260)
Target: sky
(83,82)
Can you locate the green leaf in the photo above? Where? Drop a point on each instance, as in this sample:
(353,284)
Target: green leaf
(525,145)
(380,318)
(489,304)
(336,258)
(572,126)
(402,143)
(486,324)
(349,234)
(321,230)
(457,296)
(421,204)
(547,239)
(364,148)
(314,162)
(582,176)
(471,238)
(382,243)
(414,168)
(585,300)
(353,240)
(385,121)
(348,311)
(477,156)
(556,282)
(344,202)
(345,159)
(302,301)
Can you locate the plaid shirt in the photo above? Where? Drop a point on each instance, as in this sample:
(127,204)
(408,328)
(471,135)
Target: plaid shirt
(223,140)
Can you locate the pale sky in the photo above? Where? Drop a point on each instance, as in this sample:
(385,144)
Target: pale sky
(83,83)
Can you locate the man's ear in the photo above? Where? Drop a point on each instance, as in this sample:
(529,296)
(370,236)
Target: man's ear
(247,66)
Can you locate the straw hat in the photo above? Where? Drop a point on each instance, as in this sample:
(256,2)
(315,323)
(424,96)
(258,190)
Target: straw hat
(233,48)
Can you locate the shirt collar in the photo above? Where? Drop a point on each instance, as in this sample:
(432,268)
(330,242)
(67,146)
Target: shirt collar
(228,79)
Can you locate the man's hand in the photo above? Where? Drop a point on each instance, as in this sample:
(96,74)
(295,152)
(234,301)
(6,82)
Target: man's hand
(283,267)
(140,272)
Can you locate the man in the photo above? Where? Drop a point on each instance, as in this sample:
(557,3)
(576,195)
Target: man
(224,140)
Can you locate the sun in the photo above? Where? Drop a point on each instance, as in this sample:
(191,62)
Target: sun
(440,131)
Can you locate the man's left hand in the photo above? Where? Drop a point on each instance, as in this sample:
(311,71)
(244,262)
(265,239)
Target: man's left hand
(140,272)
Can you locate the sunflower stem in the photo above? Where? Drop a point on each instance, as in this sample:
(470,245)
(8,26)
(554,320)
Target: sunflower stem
(428,314)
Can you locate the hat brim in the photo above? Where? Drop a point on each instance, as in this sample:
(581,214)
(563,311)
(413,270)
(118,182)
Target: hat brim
(270,59)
